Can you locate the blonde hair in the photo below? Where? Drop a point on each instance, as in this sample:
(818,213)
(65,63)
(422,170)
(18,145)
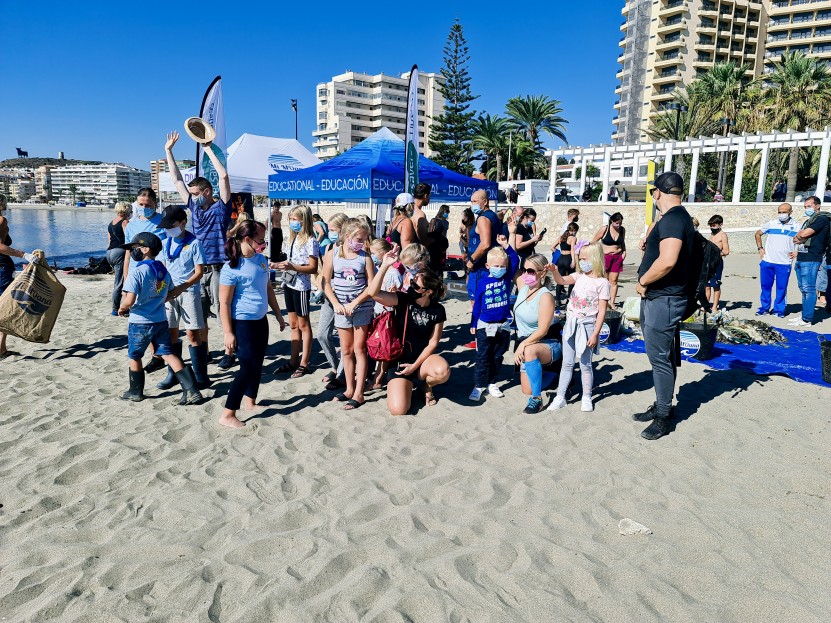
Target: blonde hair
(243,216)
(337,220)
(368,222)
(123,208)
(380,246)
(540,263)
(594,253)
(696,223)
(495,254)
(414,253)
(304,213)
(349,229)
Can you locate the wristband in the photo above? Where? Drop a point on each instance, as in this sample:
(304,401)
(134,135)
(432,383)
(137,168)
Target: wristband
(760,248)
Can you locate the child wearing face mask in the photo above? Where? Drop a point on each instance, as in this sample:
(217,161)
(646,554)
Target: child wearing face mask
(491,318)
(346,278)
(586,311)
(719,238)
(326,321)
(393,281)
(413,258)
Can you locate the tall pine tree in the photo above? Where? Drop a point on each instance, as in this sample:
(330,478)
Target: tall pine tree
(452,131)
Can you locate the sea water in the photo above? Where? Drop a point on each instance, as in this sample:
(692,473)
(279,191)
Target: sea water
(67,237)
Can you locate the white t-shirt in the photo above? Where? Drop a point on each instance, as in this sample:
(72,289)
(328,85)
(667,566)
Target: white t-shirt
(779,242)
(299,255)
(393,281)
(586,295)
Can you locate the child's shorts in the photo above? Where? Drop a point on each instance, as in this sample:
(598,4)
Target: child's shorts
(361,317)
(715,282)
(140,336)
(186,308)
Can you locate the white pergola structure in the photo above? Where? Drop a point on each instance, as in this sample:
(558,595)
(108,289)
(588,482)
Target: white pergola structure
(641,152)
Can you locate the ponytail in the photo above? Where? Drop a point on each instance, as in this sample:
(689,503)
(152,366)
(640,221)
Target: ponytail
(233,244)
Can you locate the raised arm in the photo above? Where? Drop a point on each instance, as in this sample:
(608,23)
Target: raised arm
(173,168)
(222,174)
(387,299)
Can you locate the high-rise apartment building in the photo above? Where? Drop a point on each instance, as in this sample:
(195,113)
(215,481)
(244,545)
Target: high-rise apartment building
(352,106)
(159,168)
(667,43)
(104,183)
(798,25)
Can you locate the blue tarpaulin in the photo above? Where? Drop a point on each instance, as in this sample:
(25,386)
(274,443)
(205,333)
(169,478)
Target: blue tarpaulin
(373,169)
(798,358)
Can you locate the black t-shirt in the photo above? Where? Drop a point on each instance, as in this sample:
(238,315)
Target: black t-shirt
(523,234)
(819,241)
(676,223)
(419,325)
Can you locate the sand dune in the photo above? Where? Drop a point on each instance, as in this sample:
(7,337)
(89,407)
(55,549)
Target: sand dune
(120,512)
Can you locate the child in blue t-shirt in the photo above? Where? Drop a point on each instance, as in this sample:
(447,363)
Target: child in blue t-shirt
(491,315)
(146,289)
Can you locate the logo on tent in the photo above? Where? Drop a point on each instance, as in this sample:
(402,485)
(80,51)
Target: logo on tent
(282,162)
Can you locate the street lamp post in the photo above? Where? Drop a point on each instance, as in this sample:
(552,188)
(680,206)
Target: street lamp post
(510,143)
(294,108)
(678,108)
(722,167)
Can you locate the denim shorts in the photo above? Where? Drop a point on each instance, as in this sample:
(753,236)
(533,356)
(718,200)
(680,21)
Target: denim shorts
(556,351)
(140,336)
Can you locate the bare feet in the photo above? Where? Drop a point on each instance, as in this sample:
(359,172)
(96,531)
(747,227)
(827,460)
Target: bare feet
(253,408)
(430,399)
(229,419)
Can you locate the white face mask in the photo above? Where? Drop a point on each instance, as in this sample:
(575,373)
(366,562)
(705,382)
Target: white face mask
(585,266)
(173,232)
(784,218)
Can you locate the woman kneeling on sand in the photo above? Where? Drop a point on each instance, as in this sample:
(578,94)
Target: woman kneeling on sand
(419,319)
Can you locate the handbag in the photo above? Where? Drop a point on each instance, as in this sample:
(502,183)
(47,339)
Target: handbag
(383,343)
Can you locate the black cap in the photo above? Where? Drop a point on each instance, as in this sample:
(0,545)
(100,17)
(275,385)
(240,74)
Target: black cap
(146,239)
(670,183)
(171,215)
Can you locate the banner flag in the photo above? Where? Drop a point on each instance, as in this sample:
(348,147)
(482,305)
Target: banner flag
(411,136)
(213,112)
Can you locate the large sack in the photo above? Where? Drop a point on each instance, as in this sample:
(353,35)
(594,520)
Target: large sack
(30,305)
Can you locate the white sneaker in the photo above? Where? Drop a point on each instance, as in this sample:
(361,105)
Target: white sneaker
(494,391)
(587,404)
(558,403)
(799,323)
(476,394)
(795,320)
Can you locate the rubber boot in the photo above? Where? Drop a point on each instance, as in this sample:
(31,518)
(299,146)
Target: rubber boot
(170,380)
(136,391)
(199,361)
(155,363)
(190,395)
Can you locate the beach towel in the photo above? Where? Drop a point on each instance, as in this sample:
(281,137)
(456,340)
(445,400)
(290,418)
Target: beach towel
(30,305)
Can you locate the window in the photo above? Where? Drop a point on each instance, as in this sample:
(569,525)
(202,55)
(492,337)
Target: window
(322,126)
(627,171)
(323,92)
(322,115)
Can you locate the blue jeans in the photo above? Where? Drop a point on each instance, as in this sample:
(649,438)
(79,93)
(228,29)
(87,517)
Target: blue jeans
(822,277)
(140,336)
(806,276)
(116,259)
(780,274)
(489,354)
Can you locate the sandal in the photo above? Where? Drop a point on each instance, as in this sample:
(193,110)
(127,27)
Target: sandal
(329,378)
(336,384)
(341,398)
(351,405)
(285,368)
(301,371)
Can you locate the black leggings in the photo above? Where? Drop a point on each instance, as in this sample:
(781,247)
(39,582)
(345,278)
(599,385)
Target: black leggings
(564,268)
(252,340)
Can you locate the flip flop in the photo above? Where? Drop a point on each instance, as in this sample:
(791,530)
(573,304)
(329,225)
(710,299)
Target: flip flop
(329,378)
(336,384)
(351,405)
(301,371)
(285,368)
(341,398)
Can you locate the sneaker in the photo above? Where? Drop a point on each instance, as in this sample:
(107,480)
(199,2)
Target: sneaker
(795,320)
(476,394)
(471,344)
(799,323)
(494,391)
(558,403)
(586,404)
(762,312)
(534,405)
(226,362)
(114,313)
(650,413)
(780,315)
(657,429)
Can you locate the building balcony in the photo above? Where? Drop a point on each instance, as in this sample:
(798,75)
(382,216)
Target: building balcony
(674,7)
(663,97)
(702,62)
(664,29)
(705,45)
(662,46)
(666,60)
(708,10)
(667,79)
(707,30)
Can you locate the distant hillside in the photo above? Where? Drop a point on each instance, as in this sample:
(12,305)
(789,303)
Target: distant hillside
(33,163)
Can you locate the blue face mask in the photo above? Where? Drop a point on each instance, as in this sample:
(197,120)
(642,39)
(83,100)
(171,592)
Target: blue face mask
(333,236)
(148,212)
(476,209)
(497,272)
(809,212)
(199,201)
(295,226)
(376,260)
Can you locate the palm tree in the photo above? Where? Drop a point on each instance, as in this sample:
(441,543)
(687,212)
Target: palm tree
(73,189)
(527,160)
(534,114)
(798,97)
(489,135)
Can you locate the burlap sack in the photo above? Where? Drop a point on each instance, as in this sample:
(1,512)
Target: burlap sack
(30,305)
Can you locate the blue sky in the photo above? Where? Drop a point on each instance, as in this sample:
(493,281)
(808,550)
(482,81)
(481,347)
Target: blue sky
(105,81)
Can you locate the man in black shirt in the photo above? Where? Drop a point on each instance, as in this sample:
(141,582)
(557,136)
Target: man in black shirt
(662,285)
(812,243)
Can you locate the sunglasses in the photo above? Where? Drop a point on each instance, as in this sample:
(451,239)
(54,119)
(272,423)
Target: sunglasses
(530,271)
(259,241)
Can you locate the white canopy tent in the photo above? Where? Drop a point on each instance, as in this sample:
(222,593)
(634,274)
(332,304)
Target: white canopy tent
(251,159)
(641,152)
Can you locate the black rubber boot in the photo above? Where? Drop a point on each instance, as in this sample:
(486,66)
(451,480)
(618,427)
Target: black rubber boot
(170,380)
(190,395)
(155,363)
(136,391)
(199,362)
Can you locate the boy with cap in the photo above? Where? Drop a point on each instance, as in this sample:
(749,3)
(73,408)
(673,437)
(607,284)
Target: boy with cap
(183,257)
(146,289)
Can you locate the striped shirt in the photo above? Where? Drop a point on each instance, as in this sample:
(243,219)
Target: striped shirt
(210,227)
(779,242)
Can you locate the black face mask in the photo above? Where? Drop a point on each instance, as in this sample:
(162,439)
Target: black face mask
(575,219)
(413,295)
(714,231)
(136,254)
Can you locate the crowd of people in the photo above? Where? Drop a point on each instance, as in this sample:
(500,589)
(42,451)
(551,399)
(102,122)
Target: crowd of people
(390,289)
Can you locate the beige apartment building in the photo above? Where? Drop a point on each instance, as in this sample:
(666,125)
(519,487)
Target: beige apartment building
(792,25)
(667,43)
(352,106)
(159,168)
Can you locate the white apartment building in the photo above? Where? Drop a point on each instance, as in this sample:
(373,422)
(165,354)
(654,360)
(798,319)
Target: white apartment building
(22,188)
(667,43)
(798,25)
(101,183)
(353,105)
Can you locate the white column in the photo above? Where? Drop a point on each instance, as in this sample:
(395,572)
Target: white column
(636,165)
(552,185)
(737,182)
(607,172)
(668,158)
(763,174)
(693,175)
(584,164)
(822,174)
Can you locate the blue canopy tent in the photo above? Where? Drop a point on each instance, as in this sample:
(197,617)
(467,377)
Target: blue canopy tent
(372,170)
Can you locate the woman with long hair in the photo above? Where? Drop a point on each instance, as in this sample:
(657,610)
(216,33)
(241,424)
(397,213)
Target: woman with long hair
(116,251)
(6,264)
(245,295)
(565,263)
(613,239)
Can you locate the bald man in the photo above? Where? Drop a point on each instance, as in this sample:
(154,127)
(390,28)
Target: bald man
(482,239)
(777,255)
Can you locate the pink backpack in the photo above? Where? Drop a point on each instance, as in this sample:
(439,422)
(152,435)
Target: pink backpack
(383,344)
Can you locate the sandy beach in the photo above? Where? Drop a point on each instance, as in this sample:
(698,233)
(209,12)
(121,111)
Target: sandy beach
(113,511)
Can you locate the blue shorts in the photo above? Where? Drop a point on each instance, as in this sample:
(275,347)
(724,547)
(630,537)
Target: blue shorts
(473,280)
(556,352)
(140,336)
(715,282)
(6,277)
